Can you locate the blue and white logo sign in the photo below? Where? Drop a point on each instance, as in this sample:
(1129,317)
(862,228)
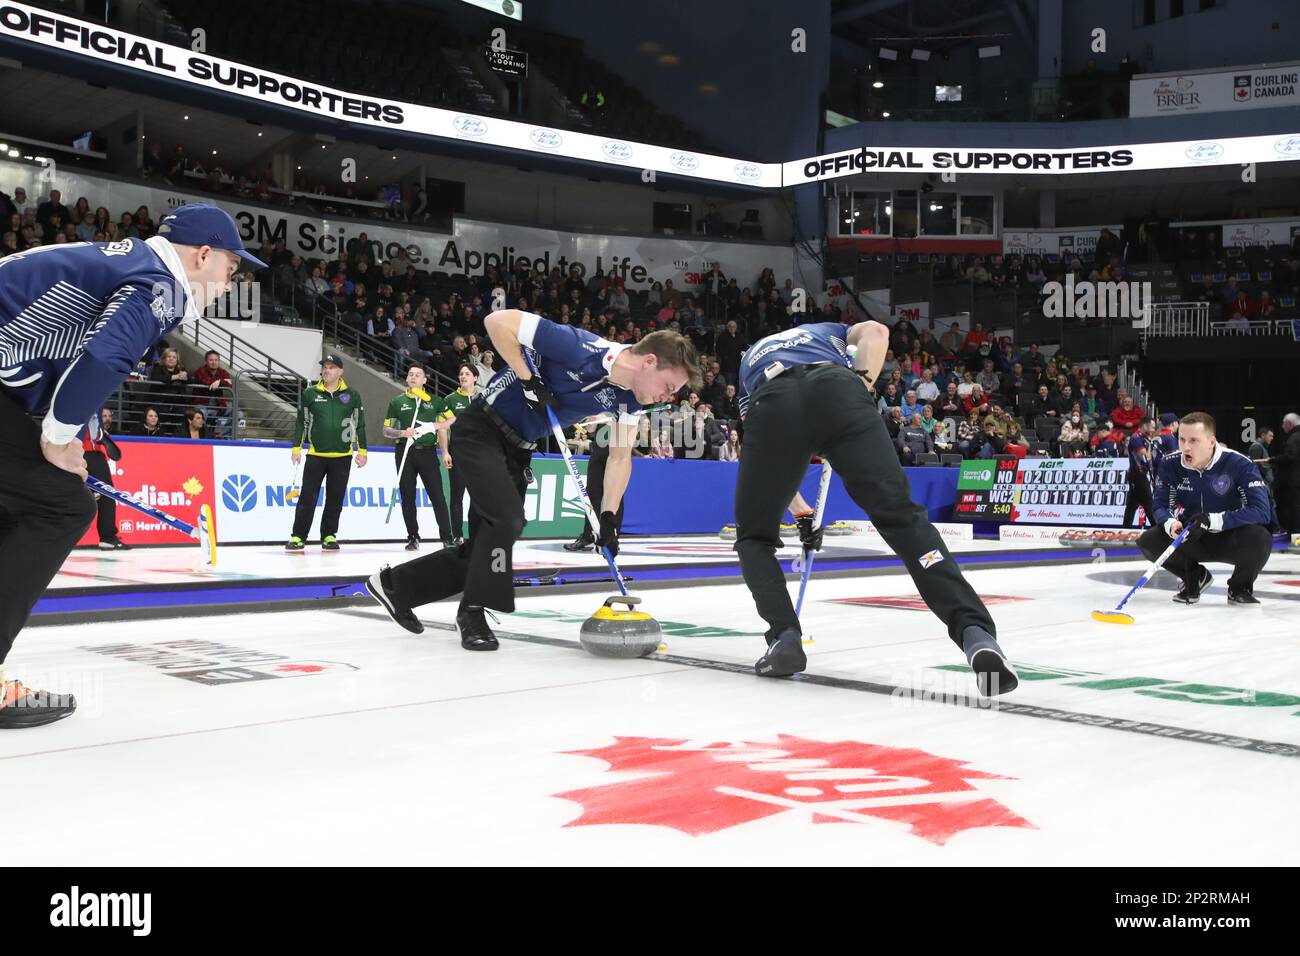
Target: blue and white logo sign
(748,172)
(616,150)
(546,138)
(471,126)
(1203,152)
(239,493)
(1288,146)
(685,162)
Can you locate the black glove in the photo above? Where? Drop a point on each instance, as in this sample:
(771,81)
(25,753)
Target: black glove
(1198,525)
(808,536)
(538,396)
(608,533)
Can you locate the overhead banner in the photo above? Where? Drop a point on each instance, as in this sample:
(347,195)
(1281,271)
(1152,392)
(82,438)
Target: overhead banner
(1074,491)
(26,25)
(470,247)
(1215,91)
(104,44)
(1186,154)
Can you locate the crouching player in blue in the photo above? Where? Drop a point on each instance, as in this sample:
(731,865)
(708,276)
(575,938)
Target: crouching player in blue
(802,394)
(1221,495)
(578,374)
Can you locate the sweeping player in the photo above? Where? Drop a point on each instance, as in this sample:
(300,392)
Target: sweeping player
(74,320)
(1221,495)
(578,374)
(802,394)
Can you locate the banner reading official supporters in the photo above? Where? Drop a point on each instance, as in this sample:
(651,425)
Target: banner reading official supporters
(31,31)
(23,27)
(1089,491)
(1211,91)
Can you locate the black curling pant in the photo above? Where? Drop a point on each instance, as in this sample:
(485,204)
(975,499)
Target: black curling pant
(825,410)
(333,473)
(106,523)
(423,464)
(1246,548)
(43,512)
(1139,493)
(596,479)
(481,570)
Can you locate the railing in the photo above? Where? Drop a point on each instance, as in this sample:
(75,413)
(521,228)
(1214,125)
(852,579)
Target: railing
(1178,318)
(1128,380)
(1258,327)
(265,393)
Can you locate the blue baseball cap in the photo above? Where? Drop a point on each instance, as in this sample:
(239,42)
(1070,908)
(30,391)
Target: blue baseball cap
(203,224)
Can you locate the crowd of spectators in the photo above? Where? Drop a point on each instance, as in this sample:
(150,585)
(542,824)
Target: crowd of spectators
(968,394)
(941,391)
(27,222)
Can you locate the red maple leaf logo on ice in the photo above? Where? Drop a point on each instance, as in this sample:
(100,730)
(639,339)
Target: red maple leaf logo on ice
(700,789)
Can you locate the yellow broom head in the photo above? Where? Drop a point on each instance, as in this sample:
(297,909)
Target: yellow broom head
(1112,617)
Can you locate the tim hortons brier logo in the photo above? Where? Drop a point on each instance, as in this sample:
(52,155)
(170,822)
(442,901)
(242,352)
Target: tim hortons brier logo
(702,788)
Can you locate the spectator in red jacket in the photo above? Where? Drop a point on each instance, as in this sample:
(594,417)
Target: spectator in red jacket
(212,384)
(1127,417)
(975,401)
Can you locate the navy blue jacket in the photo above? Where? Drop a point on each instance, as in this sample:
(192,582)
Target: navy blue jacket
(801,345)
(575,365)
(1231,486)
(75,319)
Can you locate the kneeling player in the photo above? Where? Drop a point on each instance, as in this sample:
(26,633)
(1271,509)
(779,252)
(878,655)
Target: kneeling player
(1222,496)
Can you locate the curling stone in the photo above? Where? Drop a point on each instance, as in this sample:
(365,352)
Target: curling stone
(614,632)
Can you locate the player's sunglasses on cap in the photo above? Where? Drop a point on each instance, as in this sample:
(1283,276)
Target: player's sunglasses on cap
(203,224)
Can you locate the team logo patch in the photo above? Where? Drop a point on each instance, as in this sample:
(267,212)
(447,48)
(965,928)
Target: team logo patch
(700,789)
(1221,484)
(931,558)
(344,397)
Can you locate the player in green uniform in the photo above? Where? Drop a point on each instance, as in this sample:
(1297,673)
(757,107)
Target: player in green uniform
(414,420)
(456,403)
(332,420)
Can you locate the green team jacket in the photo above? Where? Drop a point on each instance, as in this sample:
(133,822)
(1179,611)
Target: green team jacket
(402,414)
(457,402)
(334,422)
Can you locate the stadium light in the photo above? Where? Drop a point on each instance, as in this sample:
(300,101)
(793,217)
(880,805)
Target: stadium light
(921,55)
(887,54)
(990,51)
(878,84)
